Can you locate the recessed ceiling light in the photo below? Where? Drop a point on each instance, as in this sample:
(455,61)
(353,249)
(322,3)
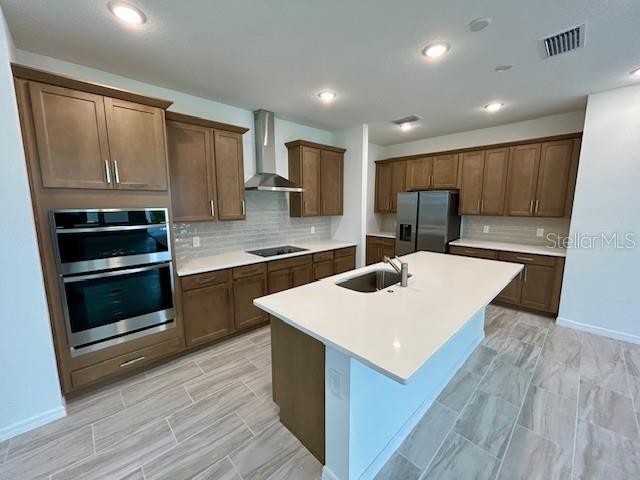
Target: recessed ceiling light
(493,107)
(405,127)
(503,68)
(636,73)
(127,13)
(327,96)
(478,24)
(435,50)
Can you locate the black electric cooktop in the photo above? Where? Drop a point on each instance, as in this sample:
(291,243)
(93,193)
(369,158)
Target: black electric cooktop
(271,252)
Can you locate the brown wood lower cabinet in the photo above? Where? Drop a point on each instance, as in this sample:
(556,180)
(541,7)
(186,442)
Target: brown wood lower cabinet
(289,273)
(537,287)
(249,283)
(344,260)
(208,313)
(378,248)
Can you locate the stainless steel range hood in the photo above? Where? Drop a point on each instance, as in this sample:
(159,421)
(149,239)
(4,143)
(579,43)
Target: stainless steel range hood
(266,178)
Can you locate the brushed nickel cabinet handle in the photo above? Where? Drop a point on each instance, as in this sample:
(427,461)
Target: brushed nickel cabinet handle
(525,274)
(526,259)
(212,207)
(117,170)
(131,362)
(107,170)
(531,206)
(537,205)
(244,210)
(481,205)
(478,207)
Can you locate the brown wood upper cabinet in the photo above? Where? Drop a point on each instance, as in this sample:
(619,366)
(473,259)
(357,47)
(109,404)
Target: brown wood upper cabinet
(391,178)
(540,179)
(318,169)
(91,141)
(440,171)
(207,170)
(483,182)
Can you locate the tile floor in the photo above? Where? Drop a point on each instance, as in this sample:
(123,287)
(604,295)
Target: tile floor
(534,401)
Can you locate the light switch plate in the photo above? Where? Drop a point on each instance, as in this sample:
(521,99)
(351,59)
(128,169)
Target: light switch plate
(539,232)
(485,229)
(196,241)
(313,229)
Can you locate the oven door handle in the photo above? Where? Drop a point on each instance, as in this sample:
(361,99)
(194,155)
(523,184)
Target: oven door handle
(110,229)
(116,273)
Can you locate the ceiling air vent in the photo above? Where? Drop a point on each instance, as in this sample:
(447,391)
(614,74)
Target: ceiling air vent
(564,42)
(407,119)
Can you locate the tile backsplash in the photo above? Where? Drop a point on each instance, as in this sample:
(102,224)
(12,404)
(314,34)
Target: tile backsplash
(513,229)
(267,224)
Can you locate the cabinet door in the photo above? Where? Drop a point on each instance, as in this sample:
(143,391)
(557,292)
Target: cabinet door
(511,293)
(373,252)
(301,275)
(71,135)
(229,168)
(419,173)
(191,172)
(331,183)
(344,264)
(137,145)
(445,171)
(245,290)
(553,178)
(279,280)
(522,179)
(494,181)
(398,182)
(471,182)
(383,188)
(322,269)
(208,313)
(388,249)
(537,287)
(311,171)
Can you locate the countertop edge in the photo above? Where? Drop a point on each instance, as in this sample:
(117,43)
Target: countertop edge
(185,272)
(509,247)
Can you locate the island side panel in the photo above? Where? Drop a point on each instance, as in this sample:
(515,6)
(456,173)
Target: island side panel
(369,414)
(298,368)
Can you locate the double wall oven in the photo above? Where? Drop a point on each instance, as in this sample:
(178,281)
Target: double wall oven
(116,274)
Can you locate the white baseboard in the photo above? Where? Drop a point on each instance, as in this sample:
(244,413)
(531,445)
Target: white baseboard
(604,332)
(327,474)
(31,423)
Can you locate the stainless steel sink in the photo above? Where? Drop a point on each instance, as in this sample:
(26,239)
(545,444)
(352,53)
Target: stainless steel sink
(371,281)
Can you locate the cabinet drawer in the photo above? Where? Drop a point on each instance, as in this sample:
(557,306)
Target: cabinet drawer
(125,362)
(205,279)
(344,252)
(382,241)
(527,259)
(474,252)
(323,256)
(247,271)
(289,263)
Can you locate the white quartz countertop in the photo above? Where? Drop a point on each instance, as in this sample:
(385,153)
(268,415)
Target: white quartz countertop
(510,247)
(240,257)
(394,333)
(382,234)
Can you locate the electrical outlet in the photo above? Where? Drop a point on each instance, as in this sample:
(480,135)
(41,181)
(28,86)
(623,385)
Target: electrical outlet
(335,383)
(485,229)
(313,229)
(540,232)
(196,241)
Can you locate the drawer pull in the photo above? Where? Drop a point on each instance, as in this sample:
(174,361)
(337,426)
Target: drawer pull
(131,362)
(526,259)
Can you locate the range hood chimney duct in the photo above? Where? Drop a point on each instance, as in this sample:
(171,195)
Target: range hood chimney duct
(266,178)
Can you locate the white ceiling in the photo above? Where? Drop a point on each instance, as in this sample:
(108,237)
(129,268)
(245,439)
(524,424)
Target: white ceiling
(277,54)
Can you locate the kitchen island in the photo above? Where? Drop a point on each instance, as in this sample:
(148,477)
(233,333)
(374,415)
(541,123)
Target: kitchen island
(354,372)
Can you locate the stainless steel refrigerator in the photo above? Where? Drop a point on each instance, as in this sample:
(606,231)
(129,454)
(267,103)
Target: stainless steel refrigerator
(427,220)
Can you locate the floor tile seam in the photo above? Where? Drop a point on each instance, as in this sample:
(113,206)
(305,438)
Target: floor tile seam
(524,397)
(459,414)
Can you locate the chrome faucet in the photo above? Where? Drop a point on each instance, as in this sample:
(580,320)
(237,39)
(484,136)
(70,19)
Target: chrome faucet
(403,271)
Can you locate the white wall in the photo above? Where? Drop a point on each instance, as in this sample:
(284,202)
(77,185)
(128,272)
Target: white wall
(351,226)
(512,132)
(29,390)
(600,287)
(191,105)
